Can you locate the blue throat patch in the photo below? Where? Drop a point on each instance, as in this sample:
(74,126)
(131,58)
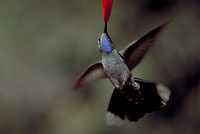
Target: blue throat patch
(106,43)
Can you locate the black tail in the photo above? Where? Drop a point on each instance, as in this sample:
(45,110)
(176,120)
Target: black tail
(133,103)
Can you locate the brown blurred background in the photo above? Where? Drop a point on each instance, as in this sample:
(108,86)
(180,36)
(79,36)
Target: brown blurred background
(45,44)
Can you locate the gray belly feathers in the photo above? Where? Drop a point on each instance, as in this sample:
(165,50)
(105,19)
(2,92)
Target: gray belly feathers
(116,69)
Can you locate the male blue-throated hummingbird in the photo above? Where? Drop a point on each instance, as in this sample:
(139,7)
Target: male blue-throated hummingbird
(132,97)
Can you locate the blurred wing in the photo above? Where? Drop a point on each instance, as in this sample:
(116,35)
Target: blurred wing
(93,72)
(135,52)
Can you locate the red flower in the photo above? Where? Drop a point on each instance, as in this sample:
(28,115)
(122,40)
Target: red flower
(107,8)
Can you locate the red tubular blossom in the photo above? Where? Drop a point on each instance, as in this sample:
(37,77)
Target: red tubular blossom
(107,9)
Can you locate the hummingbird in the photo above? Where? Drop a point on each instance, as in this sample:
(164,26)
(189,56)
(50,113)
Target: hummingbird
(132,97)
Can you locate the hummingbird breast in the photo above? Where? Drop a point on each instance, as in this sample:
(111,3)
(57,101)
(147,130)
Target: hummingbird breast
(115,68)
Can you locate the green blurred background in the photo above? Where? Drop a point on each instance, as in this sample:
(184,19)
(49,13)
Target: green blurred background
(46,44)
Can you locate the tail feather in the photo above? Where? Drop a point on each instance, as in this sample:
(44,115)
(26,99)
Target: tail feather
(117,104)
(132,104)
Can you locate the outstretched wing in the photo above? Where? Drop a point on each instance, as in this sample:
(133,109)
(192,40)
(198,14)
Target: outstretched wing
(93,72)
(135,52)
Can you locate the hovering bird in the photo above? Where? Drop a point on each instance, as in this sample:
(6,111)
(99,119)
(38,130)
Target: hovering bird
(132,97)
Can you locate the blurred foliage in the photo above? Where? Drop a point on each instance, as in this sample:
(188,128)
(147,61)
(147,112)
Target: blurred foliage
(45,44)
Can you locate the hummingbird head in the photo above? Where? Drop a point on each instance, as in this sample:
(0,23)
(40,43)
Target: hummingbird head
(105,43)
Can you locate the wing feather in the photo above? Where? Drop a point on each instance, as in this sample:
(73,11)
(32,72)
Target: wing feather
(137,49)
(93,72)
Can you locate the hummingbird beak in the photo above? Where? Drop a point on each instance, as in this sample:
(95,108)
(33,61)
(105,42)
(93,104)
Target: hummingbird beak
(105,28)
(106,31)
